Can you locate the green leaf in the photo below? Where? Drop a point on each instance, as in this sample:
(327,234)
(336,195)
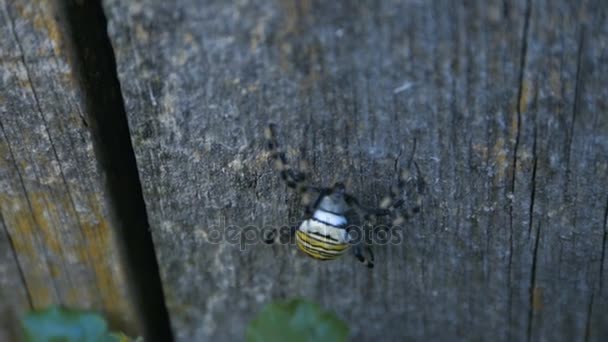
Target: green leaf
(63,325)
(296,320)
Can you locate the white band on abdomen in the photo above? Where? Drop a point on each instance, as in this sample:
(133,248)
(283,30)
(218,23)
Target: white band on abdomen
(330,218)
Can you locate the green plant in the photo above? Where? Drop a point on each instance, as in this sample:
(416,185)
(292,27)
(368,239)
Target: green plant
(65,325)
(296,320)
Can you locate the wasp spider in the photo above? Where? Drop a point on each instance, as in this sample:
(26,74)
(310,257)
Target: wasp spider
(326,231)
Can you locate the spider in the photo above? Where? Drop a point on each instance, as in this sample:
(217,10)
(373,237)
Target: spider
(326,232)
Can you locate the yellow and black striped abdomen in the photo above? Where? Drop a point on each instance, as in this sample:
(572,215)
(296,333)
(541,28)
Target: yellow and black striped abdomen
(321,240)
(319,247)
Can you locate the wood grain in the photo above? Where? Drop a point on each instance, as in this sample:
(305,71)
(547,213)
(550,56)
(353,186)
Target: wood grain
(501,103)
(57,243)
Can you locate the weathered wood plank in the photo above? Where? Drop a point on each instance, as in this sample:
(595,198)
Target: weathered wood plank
(57,244)
(501,103)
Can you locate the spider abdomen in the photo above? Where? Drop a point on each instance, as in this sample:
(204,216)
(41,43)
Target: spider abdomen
(323,236)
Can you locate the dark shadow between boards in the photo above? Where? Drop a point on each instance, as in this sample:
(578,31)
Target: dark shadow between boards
(95,66)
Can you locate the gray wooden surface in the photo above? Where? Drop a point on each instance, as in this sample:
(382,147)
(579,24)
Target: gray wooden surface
(504,101)
(501,103)
(57,244)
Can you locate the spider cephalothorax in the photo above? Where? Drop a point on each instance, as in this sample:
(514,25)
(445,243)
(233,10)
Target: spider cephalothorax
(326,232)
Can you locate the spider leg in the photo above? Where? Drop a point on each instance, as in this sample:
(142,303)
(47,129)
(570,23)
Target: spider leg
(311,197)
(363,211)
(419,191)
(370,252)
(392,202)
(362,241)
(368,214)
(294,178)
(358,251)
(274,235)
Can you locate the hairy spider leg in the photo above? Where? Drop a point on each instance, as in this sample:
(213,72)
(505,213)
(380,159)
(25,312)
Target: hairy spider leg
(294,178)
(394,200)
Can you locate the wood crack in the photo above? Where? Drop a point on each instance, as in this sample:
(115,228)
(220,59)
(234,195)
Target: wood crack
(588,318)
(30,207)
(11,20)
(520,92)
(604,241)
(11,242)
(73,149)
(575,107)
(95,68)
(533,284)
(533,184)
